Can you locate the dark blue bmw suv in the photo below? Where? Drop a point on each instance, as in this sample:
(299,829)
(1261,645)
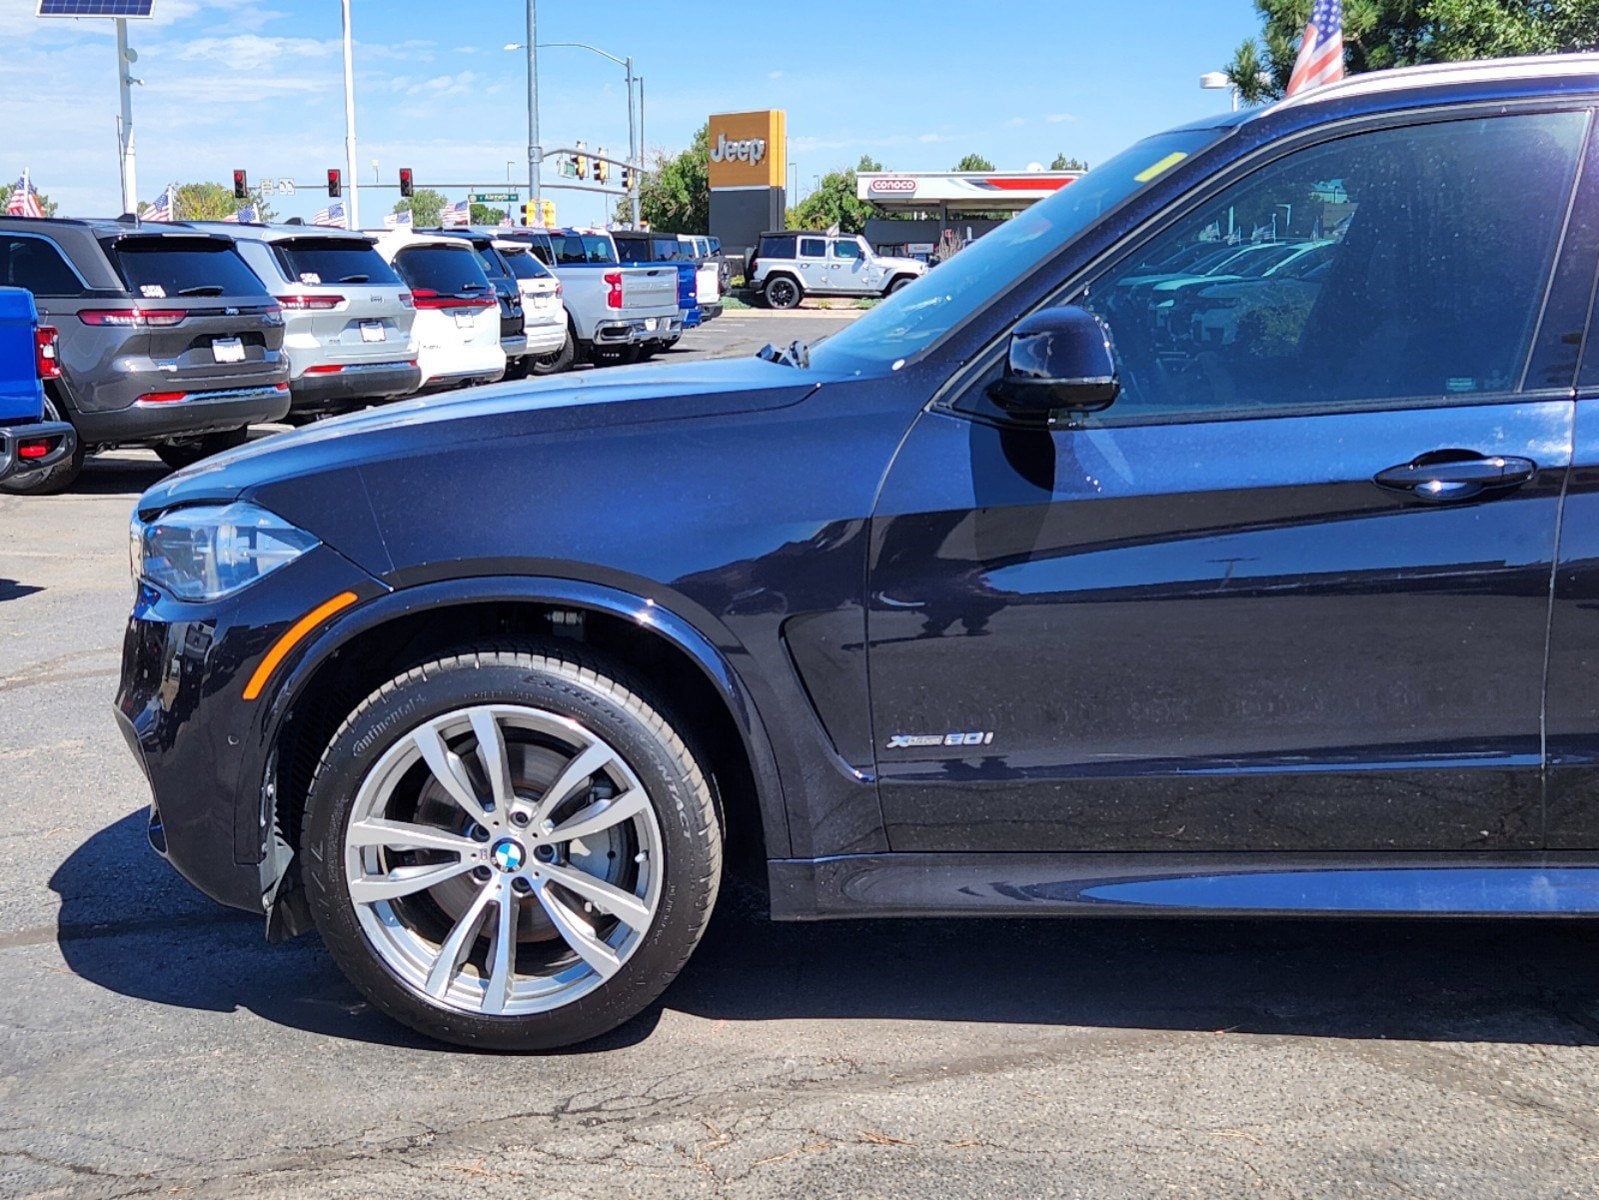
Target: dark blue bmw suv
(1213,537)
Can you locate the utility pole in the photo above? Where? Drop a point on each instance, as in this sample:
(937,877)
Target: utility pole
(534,154)
(632,145)
(129,168)
(353,215)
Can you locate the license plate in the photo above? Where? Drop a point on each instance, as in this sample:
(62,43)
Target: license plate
(464,320)
(228,350)
(371,331)
(542,301)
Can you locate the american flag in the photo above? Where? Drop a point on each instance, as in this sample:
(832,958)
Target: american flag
(1321,54)
(24,199)
(164,209)
(248,215)
(332,216)
(456,214)
(397,220)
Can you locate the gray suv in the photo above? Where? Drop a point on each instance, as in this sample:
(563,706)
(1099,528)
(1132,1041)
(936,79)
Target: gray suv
(166,337)
(347,317)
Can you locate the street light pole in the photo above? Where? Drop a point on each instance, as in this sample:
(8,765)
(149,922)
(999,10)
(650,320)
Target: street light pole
(353,220)
(632,145)
(534,154)
(127,167)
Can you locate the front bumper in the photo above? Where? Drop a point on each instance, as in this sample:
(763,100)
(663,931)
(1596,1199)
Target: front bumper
(352,386)
(206,751)
(19,446)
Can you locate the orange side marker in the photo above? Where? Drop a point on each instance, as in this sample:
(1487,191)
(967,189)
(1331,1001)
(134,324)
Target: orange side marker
(292,638)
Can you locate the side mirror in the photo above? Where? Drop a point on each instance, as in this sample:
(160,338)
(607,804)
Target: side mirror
(1061,360)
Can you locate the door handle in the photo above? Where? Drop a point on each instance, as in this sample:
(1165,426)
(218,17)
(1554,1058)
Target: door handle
(1432,477)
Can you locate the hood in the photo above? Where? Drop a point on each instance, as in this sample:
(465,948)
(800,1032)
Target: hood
(600,399)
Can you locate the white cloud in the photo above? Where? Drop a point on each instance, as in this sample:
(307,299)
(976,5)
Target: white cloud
(774,74)
(251,52)
(931,139)
(1016,122)
(1060,118)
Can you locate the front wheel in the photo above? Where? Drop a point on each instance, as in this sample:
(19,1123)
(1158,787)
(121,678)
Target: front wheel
(511,849)
(902,282)
(556,361)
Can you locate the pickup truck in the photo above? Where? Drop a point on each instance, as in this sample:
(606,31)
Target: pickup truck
(641,248)
(27,359)
(619,314)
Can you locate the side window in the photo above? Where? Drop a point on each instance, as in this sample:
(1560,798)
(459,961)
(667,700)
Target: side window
(35,264)
(850,249)
(812,248)
(1395,265)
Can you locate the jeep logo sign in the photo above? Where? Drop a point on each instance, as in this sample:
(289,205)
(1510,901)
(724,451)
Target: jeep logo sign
(750,150)
(893,187)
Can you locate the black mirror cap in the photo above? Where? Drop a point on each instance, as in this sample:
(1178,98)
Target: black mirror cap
(1061,360)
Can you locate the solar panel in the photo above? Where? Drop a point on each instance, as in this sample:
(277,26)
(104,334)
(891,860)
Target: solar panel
(95,8)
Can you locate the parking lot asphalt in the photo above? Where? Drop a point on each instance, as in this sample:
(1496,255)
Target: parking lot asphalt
(153,1044)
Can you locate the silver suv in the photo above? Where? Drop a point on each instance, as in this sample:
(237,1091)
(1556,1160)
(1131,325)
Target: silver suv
(347,316)
(788,266)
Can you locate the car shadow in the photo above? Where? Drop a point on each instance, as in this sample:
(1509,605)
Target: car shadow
(1532,982)
(12,589)
(122,474)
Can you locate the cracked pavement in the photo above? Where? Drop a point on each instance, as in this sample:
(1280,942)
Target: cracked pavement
(152,1044)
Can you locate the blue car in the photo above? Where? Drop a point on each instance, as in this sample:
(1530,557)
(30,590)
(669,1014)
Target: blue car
(27,359)
(1015,597)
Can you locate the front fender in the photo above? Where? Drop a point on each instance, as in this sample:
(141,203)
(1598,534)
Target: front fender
(648,614)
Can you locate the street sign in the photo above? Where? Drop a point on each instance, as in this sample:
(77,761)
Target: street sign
(285,187)
(494,197)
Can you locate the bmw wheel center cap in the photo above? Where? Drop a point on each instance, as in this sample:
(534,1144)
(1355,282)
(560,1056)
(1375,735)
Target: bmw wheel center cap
(508,855)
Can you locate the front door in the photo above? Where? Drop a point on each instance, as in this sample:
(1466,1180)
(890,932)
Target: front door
(812,263)
(1290,592)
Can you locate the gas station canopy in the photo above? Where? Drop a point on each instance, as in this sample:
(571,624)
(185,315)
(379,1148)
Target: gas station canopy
(955,192)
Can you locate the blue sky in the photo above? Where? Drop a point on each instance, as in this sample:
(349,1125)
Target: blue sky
(258,84)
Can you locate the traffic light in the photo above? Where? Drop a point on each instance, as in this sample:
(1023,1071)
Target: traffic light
(602,169)
(580,162)
(335,183)
(528,215)
(406,186)
(547,213)
(241,185)
(627,179)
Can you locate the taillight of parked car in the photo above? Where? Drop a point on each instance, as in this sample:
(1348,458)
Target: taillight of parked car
(44,353)
(132,317)
(428,298)
(613,294)
(406,301)
(310,303)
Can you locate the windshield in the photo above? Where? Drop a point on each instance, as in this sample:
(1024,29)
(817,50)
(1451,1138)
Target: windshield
(915,317)
(442,270)
(582,248)
(166,266)
(314,261)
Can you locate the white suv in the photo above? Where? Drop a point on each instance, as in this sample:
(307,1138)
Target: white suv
(457,310)
(549,340)
(788,266)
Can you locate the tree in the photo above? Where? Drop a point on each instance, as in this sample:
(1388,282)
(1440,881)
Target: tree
(426,207)
(1062,163)
(675,195)
(482,214)
(45,202)
(973,162)
(834,202)
(1399,33)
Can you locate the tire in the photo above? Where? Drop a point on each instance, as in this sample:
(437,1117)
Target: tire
(783,292)
(178,455)
(898,282)
(52,479)
(517,368)
(554,364)
(659,861)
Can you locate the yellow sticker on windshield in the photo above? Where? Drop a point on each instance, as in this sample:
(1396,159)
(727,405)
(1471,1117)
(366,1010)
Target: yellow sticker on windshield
(1165,164)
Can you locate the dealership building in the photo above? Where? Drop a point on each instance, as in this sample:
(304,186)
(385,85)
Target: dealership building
(919,207)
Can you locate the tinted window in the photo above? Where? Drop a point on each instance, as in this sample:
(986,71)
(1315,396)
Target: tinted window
(582,248)
(446,270)
(846,250)
(913,318)
(489,259)
(777,247)
(156,267)
(812,248)
(1424,274)
(524,265)
(333,260)
(35,264)
(667,249)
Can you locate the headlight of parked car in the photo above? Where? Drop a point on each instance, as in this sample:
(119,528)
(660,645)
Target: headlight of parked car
(212,550)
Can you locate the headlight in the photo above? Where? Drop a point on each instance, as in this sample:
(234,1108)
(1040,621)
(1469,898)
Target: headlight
(213,550)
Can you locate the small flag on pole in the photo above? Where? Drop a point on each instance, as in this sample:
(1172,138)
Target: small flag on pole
(24,200)
(331,216)
(1321,54)
(164,209)
(456,215)
(397,221)
(248,215)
